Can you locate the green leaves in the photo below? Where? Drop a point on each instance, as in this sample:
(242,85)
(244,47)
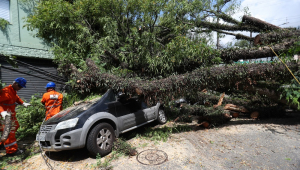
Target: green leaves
(30,118)
(138,35)
(3,23)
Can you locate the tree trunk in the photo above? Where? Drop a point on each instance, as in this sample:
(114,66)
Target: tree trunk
(264,26)
(212,78)
(240,77)
(255,53)
(274,37)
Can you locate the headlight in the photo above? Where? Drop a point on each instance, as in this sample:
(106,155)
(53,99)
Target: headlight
(67,124)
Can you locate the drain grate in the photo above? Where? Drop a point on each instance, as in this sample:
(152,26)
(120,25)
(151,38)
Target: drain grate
(152,157)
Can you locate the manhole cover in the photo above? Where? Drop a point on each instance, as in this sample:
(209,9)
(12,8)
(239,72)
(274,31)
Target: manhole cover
(152,157)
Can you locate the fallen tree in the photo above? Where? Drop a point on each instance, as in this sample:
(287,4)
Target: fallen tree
(216,78)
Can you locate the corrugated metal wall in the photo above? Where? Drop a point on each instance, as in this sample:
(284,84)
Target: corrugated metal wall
(4,9)
(35,85)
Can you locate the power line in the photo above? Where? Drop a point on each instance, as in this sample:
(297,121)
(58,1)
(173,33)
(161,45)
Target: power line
(283,24)
(283,19)
(289,17)
(294,22)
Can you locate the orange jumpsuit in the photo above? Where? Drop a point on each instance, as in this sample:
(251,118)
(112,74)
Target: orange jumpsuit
(53,102)
(8,99)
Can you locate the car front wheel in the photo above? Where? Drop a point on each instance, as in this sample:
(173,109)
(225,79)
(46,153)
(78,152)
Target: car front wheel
(162,119)
(100,140)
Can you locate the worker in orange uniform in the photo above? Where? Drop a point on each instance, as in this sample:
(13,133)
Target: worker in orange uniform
(8,100)
(52,100)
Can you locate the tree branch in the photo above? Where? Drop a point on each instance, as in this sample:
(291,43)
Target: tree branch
(237,36)
(224,16)
(240,27)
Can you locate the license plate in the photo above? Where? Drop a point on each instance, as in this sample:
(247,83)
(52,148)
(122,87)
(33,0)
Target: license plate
(40,137)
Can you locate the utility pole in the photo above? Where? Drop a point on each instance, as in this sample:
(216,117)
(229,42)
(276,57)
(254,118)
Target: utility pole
(251,42)
(218,39)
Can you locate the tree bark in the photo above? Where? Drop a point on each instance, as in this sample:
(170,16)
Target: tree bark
(255,53)
(274,37)
(264,26)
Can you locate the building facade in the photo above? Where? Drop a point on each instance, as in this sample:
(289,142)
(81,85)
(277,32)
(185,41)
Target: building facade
(16,40)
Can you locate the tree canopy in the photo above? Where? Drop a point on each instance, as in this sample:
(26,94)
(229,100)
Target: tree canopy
(141,36)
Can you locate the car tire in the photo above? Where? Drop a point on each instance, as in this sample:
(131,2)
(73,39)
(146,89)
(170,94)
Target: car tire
(161,117)
(100,140)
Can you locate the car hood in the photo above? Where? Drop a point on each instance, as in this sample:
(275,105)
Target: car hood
(82,109)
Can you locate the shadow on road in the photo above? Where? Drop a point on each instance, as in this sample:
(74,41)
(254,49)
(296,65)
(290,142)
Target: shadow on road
(288,119)
(70,155)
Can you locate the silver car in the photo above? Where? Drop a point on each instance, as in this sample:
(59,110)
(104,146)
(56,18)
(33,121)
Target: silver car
(97,124)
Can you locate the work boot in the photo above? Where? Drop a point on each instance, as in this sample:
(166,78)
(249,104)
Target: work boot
(2,149)
(18,152)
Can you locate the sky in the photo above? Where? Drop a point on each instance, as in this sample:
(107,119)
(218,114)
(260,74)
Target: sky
(283,13)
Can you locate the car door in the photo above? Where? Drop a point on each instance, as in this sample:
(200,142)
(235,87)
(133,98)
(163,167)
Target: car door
(129,113)
(148,111)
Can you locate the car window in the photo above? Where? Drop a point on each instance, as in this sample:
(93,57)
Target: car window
(111,96)
(144,105)
(133,104)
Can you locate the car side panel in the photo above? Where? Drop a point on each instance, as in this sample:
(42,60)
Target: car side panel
(150,113)
(92,120)
(128,113)
(140,117)
(133,119)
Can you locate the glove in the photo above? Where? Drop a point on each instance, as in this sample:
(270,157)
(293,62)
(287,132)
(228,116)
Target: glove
(26,104)
(4,113)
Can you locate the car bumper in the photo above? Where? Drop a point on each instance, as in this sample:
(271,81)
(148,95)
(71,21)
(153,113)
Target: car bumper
(51,141)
